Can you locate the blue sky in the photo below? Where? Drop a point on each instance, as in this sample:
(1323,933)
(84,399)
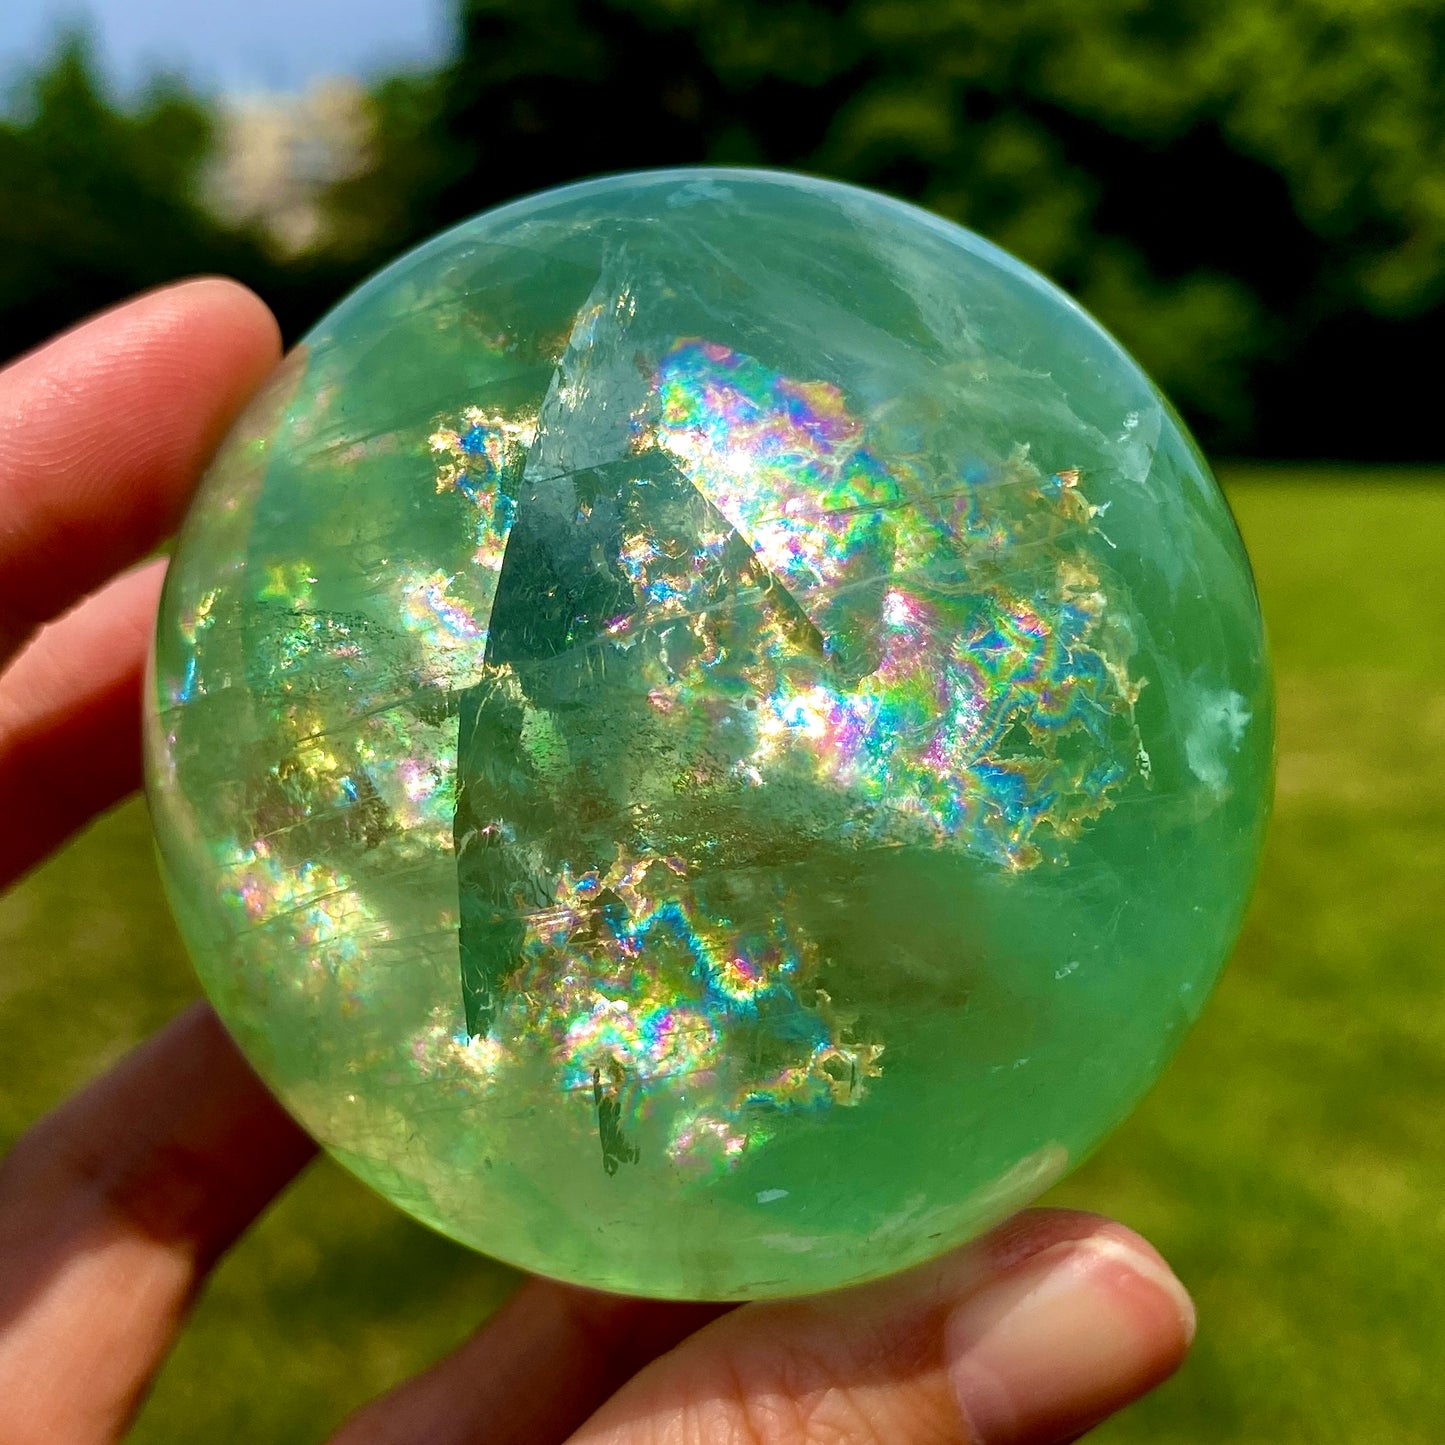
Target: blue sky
(235,45)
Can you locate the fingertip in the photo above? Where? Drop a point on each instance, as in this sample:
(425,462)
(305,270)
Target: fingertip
(1035,1230)
(209,340)
(231,304)
(241,316)
(1066,1337)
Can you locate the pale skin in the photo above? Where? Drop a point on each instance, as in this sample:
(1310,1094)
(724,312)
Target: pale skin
(114,1207)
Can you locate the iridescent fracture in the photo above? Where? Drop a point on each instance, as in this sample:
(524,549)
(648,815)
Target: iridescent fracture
(708,733)
(973,672)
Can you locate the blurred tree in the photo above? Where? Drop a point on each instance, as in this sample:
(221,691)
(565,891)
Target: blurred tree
(101,201)
(1251,193)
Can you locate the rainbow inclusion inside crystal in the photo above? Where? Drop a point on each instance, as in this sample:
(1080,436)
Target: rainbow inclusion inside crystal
(776,611)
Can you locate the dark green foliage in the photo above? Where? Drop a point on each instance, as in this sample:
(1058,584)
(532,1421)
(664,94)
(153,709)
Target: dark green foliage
(95,202)
(1247,191)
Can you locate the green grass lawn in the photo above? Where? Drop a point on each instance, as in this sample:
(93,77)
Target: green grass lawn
(1290,1163)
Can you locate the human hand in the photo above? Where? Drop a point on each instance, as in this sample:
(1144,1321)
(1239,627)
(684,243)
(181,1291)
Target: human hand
(114,1207)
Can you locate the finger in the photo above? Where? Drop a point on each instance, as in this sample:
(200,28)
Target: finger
(1036,1331)
(104,431)
(112,1208)
(542,1364)
(1027,1338)
(70,718)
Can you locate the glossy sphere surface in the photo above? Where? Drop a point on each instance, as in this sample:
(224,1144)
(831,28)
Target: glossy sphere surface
(709,732)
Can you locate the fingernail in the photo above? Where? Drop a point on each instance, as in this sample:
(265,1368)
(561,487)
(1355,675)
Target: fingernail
(1065,1339)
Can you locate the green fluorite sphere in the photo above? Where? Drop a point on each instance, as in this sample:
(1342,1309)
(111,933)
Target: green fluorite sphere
(709,732)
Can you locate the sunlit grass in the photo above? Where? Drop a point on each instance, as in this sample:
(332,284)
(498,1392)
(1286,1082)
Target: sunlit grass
(1290,1163)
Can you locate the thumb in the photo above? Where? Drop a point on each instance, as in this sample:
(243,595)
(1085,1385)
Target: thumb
(1027,1337)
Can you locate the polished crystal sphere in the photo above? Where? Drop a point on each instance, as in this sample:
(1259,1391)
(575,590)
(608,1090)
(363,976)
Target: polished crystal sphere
(709,732)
